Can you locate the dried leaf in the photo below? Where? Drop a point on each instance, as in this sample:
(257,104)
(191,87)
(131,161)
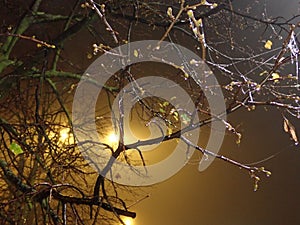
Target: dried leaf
(289,128)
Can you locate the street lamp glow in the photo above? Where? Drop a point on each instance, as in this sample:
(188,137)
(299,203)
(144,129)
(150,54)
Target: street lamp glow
(65,136)
(113,138)
(128,221)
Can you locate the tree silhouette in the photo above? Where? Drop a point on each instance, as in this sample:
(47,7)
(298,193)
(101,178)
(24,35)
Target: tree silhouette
(45,49)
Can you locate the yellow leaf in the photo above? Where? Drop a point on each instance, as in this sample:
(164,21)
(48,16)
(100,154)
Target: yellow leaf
(162,110)
(239,137)
(135,53)
(186,75)
(263,73)
(170,12)
(268,44)
(190,14)
(166,103)
(275,77)
(214,5)
(198,22)
(176,118)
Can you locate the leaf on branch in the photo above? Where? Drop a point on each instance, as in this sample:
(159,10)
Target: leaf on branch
(175,114)
(275,77)
(170,13)
(15,148)
(169,131)
(290,129)
(165,103)
(239,137)
(190,14)
(233,130)
(268,44)
(162,110)
(263,73)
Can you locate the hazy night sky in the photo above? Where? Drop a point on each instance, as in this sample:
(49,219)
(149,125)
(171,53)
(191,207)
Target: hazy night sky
(224,194)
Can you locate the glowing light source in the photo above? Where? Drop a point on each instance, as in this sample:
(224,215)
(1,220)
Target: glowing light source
(128,221)
(65,136)
(113,140)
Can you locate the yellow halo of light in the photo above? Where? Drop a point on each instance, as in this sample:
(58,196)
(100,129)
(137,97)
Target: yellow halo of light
(128,221)
(64,134)
(113,138)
